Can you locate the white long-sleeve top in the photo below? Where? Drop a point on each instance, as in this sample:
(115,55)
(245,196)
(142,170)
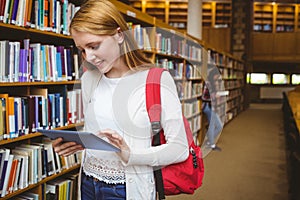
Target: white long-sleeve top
(120,104)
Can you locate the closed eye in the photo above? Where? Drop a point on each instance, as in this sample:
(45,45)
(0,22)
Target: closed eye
(94,47)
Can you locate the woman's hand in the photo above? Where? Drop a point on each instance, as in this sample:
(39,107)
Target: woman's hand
(65,148)
(115,139)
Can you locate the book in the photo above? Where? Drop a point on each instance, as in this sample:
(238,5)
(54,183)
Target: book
(50,158)
(2,7)
(4,112)
(31,163)
(2,119)
(6,175)
(19,173)
(11,67)
(16,62)
(12,175)
(31,116)
(14,12)
(2,157)
(6,11)
(11,117)
(3,169)
(24,176)
(4,64)
(38,160)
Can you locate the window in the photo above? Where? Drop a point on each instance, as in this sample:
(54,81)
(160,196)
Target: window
(248,78)
(295,79)
(280,78)
(258,78)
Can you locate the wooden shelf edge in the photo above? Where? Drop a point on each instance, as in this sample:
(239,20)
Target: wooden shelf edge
(13,84)
(32,30)
(33,135)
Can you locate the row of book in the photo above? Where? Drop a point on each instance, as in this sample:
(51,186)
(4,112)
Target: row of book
(191,89)
(173,45)
(28,164)
(48,15)
(191,108)
(233,84)
(21,115)
(195,124)
(231,74)
(165,41)
(221,60)
(140,35)
(36,62)
(176,68)
(193,71)
(187,90)
(62,188)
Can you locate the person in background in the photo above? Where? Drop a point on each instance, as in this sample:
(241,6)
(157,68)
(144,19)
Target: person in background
(113,94)
(209,95)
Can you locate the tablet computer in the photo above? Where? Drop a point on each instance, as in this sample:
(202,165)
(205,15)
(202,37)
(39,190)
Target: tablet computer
(86,139)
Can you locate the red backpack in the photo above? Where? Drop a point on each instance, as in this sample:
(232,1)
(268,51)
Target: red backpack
(183,177)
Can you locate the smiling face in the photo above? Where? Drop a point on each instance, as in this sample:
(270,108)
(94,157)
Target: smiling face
(102,51)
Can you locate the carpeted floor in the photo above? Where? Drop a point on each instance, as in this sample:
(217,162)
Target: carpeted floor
(252,163)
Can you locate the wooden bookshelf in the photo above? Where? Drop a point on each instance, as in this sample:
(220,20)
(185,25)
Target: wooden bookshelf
(208,14)
(285,18)
(263,17)
(214,14)
(275,17)
(39,80)
(223,15)
(275,35)
(232,72)
(178,14)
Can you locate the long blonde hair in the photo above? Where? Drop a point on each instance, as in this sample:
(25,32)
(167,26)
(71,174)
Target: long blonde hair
(101,17)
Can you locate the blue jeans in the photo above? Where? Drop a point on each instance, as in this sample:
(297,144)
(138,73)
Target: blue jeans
(215,124)
(92,189)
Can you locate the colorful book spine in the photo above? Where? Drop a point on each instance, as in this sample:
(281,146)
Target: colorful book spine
(11,117)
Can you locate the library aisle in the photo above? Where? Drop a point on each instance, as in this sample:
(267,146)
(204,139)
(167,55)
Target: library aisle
(252,163)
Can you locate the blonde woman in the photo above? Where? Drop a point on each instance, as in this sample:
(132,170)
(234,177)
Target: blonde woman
(114,106)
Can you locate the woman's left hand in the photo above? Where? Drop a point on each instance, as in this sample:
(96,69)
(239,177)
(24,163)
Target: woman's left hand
(118,141)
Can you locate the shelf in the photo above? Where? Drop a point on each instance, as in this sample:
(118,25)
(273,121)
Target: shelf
(14,84)
(272,17)
(45,180)
(32,30)
(33,135)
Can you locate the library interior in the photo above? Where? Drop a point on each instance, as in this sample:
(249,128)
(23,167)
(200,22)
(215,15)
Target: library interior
(254,45)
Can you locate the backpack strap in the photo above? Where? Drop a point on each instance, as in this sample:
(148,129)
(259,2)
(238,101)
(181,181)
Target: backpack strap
(153,102)
(153,105)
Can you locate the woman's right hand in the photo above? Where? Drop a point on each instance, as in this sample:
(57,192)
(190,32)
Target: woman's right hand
(65,148)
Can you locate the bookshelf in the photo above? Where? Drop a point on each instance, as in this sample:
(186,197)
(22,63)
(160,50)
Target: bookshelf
(275,25)
(263,17)
(216,18)
(275,17)
(285,18)
(39,88)
(207,14)
(223,14)
(230,103)
(214,14)
(178,14)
